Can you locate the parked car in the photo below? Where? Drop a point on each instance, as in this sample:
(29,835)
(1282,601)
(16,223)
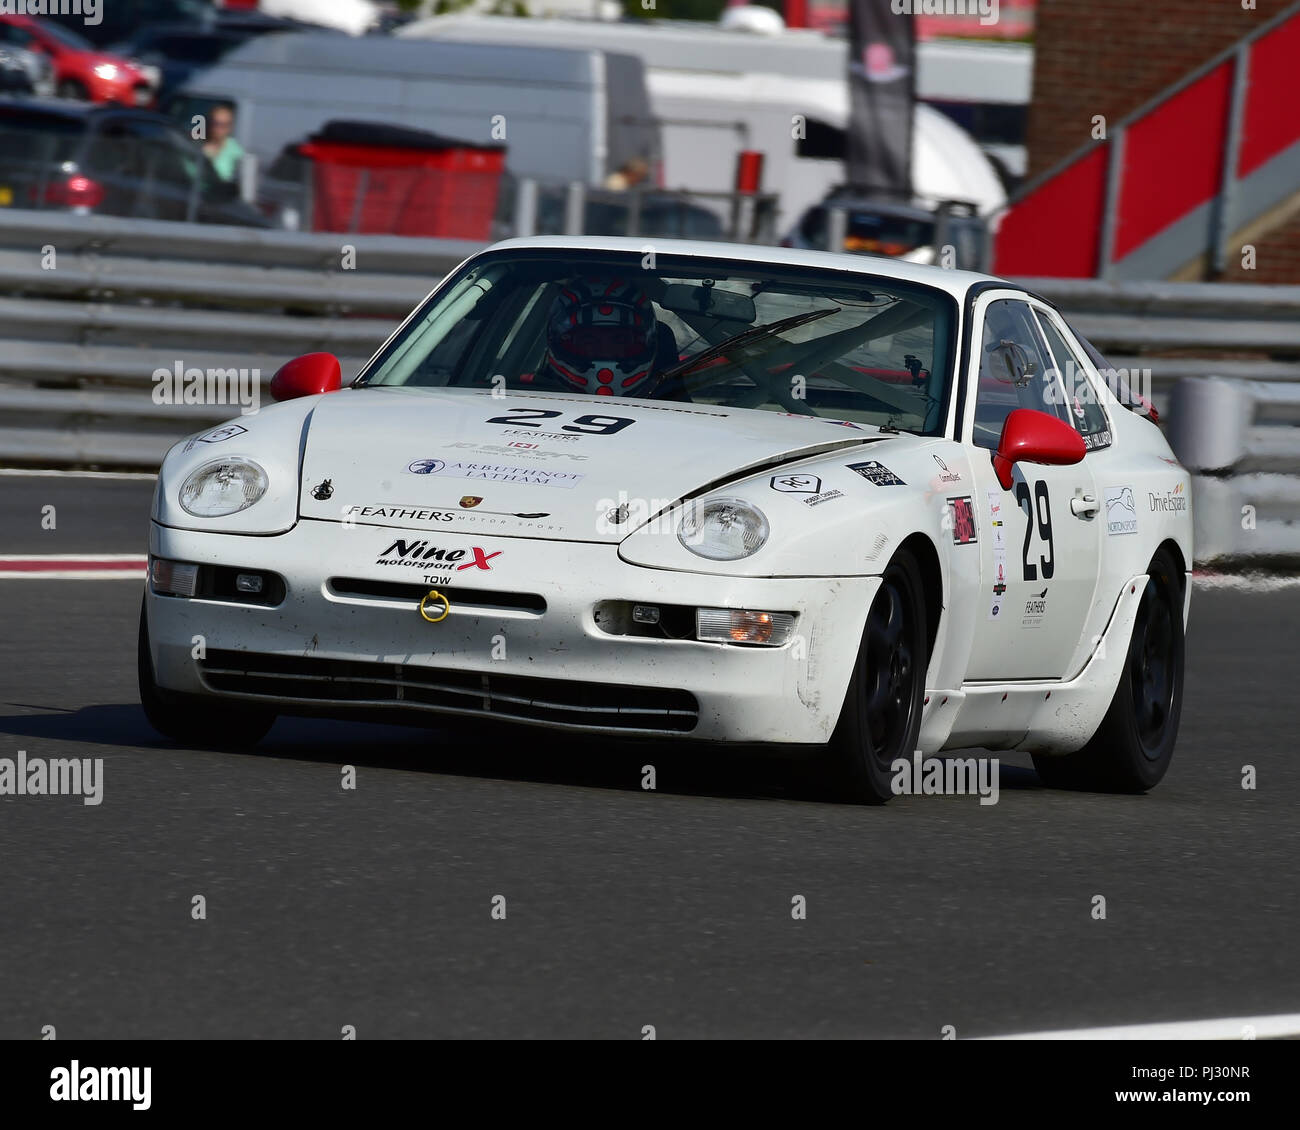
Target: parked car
(896,229)
(179,51)
(110,161)
(80,70)
(119,19)
(25,72)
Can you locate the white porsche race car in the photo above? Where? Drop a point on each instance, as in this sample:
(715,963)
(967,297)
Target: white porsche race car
(691,491)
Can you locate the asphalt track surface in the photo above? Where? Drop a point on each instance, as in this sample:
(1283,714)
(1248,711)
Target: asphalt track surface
(624,907)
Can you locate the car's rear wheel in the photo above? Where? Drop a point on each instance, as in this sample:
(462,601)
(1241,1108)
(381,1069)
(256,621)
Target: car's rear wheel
(1134,744)
(71,88)
(191,720)
(881,716)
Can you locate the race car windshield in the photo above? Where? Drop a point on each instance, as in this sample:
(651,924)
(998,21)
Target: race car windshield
(803,341)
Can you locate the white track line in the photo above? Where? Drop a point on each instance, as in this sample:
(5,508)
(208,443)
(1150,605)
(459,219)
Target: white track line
(1228,1028)
(26,472)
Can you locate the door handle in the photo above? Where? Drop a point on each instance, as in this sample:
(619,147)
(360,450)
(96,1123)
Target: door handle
(1084,505)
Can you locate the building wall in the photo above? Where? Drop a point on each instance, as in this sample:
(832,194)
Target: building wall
(1109,56)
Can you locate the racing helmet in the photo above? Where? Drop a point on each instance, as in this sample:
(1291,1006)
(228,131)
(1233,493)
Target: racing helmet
(602,337)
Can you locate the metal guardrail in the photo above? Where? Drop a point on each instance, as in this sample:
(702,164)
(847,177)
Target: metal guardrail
(1241,441)
(81,337)
(1176,331)
(91,306)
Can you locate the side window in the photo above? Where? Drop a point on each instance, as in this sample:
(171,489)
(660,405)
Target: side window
(163,161)
(1086,412)
(12,33)
(1016,371)
(111,152)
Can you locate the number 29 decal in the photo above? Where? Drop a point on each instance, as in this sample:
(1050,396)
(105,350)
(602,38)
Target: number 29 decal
(1038,511)
(586,425)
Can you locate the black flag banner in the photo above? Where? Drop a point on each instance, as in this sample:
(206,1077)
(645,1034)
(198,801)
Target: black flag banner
(882,88)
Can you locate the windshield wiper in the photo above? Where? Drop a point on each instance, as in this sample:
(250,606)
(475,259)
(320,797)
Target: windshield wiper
(745,337)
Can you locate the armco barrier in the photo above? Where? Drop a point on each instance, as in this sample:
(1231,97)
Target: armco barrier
(79,343)
(1241,441)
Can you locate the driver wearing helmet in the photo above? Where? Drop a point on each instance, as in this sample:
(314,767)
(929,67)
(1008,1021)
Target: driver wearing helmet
(602,338)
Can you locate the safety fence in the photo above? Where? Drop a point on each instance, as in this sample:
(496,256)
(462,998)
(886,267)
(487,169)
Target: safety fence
(91,308)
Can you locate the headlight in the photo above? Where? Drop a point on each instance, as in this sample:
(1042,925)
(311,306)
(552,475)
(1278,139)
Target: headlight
(723,529)
(106,70)
(222,487)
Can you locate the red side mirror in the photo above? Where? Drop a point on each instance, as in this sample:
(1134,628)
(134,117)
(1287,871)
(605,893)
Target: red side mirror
(308,375)
(1035,437)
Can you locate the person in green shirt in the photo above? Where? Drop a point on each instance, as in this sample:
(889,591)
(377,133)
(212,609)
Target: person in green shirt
(220,147)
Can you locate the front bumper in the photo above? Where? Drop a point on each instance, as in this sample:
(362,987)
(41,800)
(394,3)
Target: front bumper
(324,649)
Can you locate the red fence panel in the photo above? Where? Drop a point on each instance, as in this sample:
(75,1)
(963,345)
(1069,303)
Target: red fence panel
(1272,120)
(1052,232)
(1173,159)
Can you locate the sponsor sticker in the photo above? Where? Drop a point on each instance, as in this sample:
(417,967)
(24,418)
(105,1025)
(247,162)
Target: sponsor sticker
(823,496)
(997,534)
(409,513)
(562,437)
(961,517)
(228,431)
(1121,511)
(877,474)
(496,472)
(1035,610)
(796,484)
(519,449)
(1169,502)
(946,475)
(220,434)
(430,557)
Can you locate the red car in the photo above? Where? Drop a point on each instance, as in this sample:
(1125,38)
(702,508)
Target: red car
(81,71)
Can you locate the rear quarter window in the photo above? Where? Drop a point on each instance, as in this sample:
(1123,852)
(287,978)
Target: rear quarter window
(34,137)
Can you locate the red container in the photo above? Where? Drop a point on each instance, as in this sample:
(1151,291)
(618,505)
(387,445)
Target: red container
(385,190)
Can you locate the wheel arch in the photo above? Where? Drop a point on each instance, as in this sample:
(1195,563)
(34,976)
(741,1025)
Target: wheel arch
(926,555)
(1176,552)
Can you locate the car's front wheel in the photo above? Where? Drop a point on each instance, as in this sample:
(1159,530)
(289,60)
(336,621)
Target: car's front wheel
(1132,748)
(191,720)
(881,716)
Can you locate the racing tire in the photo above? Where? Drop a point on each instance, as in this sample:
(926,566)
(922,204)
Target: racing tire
(192,720)
(71,88)
(881,716)
(1133,746)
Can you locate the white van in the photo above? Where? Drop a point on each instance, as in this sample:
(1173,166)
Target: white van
(717,92)
(567,114)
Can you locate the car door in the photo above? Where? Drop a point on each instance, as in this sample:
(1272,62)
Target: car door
(1039,556)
